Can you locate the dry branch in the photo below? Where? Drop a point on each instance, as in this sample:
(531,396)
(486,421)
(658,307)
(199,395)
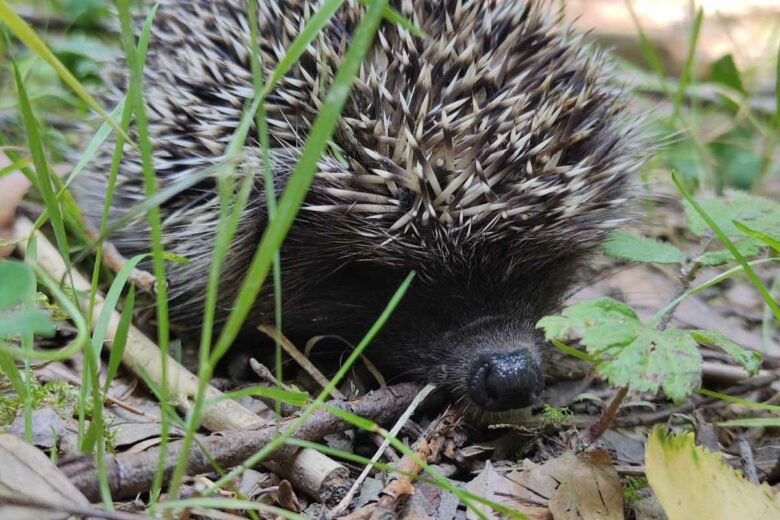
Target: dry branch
(132,473)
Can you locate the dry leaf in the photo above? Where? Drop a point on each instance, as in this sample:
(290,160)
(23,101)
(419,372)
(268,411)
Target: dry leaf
(582,486)
(25,472)
(691,482)
(505,491)
(590,488)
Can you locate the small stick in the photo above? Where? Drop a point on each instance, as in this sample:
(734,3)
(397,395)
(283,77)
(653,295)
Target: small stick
(746,459)
(297,355)
(344,504)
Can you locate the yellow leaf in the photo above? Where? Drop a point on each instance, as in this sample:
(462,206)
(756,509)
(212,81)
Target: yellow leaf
(691,482)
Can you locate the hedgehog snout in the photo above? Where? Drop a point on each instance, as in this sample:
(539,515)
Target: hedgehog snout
(503,381)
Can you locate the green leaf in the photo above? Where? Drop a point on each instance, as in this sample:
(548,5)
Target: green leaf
(750,360)
(627,352)
(669,360)
(725,72)
(112,298)
(17,283)
(602,323)
(11,371)
(641,249)
(26,321)
(44,181)
(759,213)
(736,162)
(686,75)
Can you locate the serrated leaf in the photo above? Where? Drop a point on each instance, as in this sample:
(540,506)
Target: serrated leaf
(691,482)
(669,360)
(601,323)
(757,212)
(637,248)
(750,360)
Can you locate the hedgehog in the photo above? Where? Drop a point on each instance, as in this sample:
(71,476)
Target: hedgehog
(491,157)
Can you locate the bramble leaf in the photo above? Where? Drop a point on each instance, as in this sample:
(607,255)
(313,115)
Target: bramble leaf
(669,360)
(756,212)
(601,323)
(641,249)
(629,353)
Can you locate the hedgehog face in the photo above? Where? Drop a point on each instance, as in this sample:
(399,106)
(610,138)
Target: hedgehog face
(471,333)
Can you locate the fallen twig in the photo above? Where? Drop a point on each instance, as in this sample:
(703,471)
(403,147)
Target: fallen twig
(129,474)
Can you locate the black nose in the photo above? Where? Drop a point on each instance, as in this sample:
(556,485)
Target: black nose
(505,381)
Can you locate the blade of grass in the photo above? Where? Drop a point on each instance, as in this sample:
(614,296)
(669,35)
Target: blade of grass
(777,91)
(231,504)
(283,396)
(270,189)
(436,480)
(709,283)
(758,235)
(752,422)
(43,176)
(687,71)
(119,342)
(15,165)
(739,401)
(731,247)
(393,16)
(646,48)
(155,226)
(27,35)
